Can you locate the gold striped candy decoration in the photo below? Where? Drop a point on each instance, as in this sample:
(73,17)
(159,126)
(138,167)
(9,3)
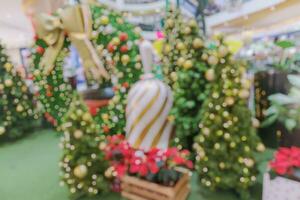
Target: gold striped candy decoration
(148,107)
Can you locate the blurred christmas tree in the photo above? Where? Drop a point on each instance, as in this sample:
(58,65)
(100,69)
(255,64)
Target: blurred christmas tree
(53,91)
(185,72)
(227,141)
(83,162)
(17,111)
(117,42)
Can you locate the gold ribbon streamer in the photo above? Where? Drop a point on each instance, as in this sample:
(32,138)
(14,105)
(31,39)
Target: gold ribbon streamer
(76,22)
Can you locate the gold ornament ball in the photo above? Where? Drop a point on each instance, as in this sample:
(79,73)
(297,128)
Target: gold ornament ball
(86,117)
(8,66)
(255,123)
(210,75)
(260,147)
(170,23)
(78,134)
(19,108)
(229,101)
(24,88)
(180,61)
(102,146)
(8,82)
(116,41)
(180,46)
(187,30)
(192,23)
(36,72)
(213,60)
(197,43)
(204,57)
(80,171)
(125,59)
(104,20)
(187,64)
(223,51)
(244,94)
(167,48)
(2,130)
(1,87)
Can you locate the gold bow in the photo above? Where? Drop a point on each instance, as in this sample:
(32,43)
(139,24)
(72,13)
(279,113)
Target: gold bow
(76,23)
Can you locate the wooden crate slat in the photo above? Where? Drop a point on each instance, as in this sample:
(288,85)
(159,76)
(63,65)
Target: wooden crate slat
(130,196)
(183,180)
(168,191)
(183,194)
(144,192)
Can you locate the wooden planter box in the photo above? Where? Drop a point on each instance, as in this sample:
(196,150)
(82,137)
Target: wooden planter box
(137,189)
(280,188)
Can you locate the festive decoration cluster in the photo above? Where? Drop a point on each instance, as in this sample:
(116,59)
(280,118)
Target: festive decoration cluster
(184,70)
(116,40)
(83,163)
(227,141)
(17,110)
(154,165)
(53,91)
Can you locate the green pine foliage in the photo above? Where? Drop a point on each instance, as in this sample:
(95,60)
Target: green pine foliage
(117,43)
(17,111)
(83,162)
(185,72)
(227,141)
(54,92)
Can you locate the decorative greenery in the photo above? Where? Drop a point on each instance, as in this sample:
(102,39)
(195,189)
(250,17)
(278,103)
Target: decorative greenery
(185,72)
(17,111)
(227,141)
(54,92)
(117,42)
(83,163)
(155,165)
(285,108)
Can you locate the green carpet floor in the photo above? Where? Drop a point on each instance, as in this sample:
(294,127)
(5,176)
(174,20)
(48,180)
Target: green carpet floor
(29,171)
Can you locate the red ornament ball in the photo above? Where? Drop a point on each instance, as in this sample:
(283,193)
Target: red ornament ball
(40,50)
(124,49)
(110,47)
(123,37)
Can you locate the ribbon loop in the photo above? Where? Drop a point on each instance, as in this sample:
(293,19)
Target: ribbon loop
(76,21)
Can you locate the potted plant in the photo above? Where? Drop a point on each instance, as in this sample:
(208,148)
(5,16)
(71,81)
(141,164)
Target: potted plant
(283,180)
(155,174)
(286,110)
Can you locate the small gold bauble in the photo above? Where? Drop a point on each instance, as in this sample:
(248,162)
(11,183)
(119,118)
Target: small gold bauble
(180,46)
(36,72)
(105,116)
(229,101)
(125,59)
(102,146)
(24,88)
(1,87)
(222,51)
(187,64)
(104,20)
(213,60)
(210,75)
(116,41)
(86,117)
(244,94)
(197,43)
(260,147)
(167,48)
(204,57)
(2,130)
(170,23)
(78,134)
(8,66)
(187,30)
(255,123)
(192,23)
(19,108)
(80,171)
(8,82)
(180,61)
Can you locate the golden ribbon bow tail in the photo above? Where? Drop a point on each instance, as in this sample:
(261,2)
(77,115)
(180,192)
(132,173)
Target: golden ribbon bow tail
(77,23)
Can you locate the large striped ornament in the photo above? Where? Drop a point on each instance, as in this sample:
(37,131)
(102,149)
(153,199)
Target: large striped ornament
(149,103)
